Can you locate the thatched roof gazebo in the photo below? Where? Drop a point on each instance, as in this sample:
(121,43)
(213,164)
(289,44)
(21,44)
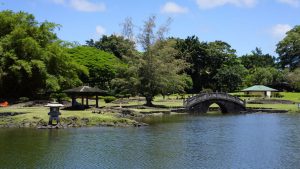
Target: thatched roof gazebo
(84,92)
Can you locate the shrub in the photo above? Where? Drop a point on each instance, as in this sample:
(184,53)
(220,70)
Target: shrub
(246,95)
(277,95)
(58,96)
(206,91)
(23,99)
(109,99)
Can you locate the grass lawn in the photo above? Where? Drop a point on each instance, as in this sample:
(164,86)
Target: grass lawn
(289,107)
(35,114)
(291,96)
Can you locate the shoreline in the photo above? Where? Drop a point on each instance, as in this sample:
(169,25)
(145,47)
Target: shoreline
(127,114)
(119,120)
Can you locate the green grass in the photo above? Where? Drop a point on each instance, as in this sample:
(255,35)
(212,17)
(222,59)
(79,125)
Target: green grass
(289,107)
(292,96)
(35,114)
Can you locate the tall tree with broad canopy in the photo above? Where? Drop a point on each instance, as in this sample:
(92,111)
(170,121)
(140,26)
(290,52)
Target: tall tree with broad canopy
(230,76)
(32,59)
(289,49)
(205,59)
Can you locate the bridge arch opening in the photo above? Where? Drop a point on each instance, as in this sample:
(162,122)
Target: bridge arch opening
(216,108)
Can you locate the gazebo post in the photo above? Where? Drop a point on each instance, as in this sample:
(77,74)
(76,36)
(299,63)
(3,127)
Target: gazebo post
(82,100)
(73,101)
(97,105)
(87,101)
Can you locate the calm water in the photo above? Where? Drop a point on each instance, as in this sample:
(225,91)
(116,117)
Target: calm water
(242,141)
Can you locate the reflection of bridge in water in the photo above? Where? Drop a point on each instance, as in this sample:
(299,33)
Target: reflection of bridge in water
(227,103)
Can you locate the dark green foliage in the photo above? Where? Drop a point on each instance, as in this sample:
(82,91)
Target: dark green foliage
(59,97)
(289,49)
(230,78)
(32,58)
(193,51)
(268,76)
(257,59)
(102,66)
(117,45)
(23,99)
(206,60)
(293,78)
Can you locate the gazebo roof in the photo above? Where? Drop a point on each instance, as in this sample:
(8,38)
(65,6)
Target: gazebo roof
(259,88)
(85,90)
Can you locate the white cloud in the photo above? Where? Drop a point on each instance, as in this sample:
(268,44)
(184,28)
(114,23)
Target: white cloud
(86,6)
(171,7)
(294,3)
(279,30)
(208,4)
(100,30)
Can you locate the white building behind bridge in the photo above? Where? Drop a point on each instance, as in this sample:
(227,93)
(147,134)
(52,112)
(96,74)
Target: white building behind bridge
(261,90)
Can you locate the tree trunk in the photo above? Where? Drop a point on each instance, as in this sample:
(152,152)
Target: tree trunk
(149,101)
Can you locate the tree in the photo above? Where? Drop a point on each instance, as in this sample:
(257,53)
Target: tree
(264,76)
(127,29)
(257,59)
(193,52)
(33,60)
(156,70)
(102,66)
(294,79)
(114,44)
(289,49)
(230,76)
(205,60)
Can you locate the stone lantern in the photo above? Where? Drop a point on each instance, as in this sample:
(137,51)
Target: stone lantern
(54,112)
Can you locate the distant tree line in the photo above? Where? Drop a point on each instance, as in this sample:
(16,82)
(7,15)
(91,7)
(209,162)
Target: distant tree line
(34,61)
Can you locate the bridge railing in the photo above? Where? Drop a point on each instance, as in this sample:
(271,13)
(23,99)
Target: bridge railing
(215,95)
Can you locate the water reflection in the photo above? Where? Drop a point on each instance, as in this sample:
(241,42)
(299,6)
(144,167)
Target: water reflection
(244,141)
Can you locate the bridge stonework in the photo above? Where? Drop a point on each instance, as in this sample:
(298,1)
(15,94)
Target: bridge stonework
(227,103)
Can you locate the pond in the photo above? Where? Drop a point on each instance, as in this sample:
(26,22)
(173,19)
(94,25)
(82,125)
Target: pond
(185,141)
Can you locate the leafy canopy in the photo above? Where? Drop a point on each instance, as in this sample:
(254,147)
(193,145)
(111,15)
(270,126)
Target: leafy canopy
(32,59)
(102,66)
(289,49)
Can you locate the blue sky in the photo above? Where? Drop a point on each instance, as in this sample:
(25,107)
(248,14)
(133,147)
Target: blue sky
(244,24)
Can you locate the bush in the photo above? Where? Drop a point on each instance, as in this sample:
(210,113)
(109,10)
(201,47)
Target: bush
(206,91)
(59,96)
(277,95)
(246,95)
(109,99)
(23,99)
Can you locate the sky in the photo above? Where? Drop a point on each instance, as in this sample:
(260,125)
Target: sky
(244,24)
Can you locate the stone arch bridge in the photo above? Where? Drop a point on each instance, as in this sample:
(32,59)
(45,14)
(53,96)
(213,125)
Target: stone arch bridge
(227,103)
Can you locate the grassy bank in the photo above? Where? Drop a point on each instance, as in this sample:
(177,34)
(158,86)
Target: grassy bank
(34,116)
